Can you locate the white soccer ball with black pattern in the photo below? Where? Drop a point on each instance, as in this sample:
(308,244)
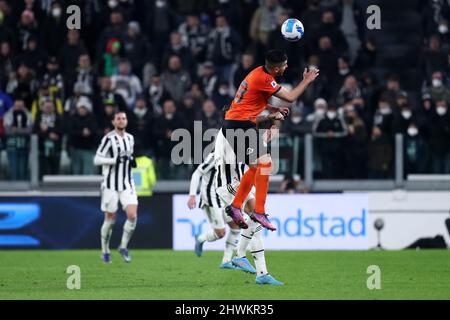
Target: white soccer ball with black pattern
(292,30)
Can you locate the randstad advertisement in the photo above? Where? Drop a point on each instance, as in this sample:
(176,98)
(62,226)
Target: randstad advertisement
(308,222)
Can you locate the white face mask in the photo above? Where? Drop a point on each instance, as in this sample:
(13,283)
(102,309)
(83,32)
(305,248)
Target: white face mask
(320,112)
(406,114)
(436,83)
(296,119)
(412,131)
(443,28)
(160,3)
(223,91)
(343,72)
(153,90)
(169,116)
(441,110)
(113,3)
(385,111)
(56,12)
(331,114)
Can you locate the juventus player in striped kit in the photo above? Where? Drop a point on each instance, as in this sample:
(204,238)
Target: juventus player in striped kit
(212,205)
(115,155)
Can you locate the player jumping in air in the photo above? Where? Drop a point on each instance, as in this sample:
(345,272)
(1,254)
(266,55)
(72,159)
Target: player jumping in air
(115,155)
(250,100)
(227,181)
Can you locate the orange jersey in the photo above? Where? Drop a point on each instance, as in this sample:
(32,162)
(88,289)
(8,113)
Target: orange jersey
(252,96)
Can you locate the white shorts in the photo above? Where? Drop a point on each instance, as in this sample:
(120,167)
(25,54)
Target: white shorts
(228,192)
(110,199)
(216,217)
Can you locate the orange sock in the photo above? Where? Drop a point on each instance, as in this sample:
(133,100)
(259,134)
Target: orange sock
(246,184)
(262,186)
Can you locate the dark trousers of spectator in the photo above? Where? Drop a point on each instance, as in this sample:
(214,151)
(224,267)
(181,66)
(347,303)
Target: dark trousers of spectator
(18,163)
(82,161)
(49,164)
(440,163)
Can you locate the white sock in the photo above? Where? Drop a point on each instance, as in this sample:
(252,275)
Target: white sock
(209,236)
(105,233)
(231,244)
(246,237)
(257,248)
(128,229)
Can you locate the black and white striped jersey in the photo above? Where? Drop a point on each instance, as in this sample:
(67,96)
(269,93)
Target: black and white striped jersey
(203,177)
(116,176)
(226,173)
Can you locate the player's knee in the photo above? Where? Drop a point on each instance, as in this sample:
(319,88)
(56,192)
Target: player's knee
(110,215)
(220,233)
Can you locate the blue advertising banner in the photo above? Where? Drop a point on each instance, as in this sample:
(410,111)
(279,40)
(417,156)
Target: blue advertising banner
(74,223)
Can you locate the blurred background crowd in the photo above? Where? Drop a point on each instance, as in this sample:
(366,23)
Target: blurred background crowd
(168,63)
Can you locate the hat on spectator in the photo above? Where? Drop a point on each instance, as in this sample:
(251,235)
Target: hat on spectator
(134,25)
(426,96)
(84,102)
(402,94)
(208,64)
(320,101)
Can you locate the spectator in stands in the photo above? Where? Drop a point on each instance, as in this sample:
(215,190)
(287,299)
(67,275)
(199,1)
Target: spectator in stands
(222,96)
(320,108)
(105,117)
(116,30)
(414,150)
(366,56)
(403,118)
(70,53)
(27,28)
(157,95)
(434,58)
(223,45)
(246,65)
(143,124)
(5,104)
(106,93)
(331,30)
(127,84)
(18,127)
(45,94)
(54,78)
(165,124)
(176,80)
(328,58)
(111,58)
(189,111)
(356,144)
(33,56)
(392,89)
(381,146)
(177,47)
(54,29)
(438,90)
(82,138)
(440,137)
(330,132)
(209,79)
(344,70)
(209,116)
(84,75)
(80,91)
(48,127)
(136,47)
(194,34)
(349,91)
(6,63)
(23,84)
(264,21)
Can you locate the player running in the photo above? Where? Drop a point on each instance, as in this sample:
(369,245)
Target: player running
(250,100)
(115,155)
(227,181)
(212,205)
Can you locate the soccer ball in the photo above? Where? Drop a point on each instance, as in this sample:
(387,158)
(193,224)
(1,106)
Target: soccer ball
(292,30)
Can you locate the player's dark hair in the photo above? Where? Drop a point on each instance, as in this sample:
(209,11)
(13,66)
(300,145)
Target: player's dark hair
(275,57)
(116,112)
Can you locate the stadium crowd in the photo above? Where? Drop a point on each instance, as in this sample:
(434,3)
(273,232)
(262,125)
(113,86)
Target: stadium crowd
(168,63)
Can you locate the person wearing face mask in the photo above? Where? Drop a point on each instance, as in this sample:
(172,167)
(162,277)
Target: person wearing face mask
(320,108)
(381,145)
(221,96)
(177,47)
(143,122)
(414,150)
(433,56)
(439,138)
(55,29)
(356,145)
(332,31)
(438,90)
(163,127)
(330,133)
(403,119)
(209,116)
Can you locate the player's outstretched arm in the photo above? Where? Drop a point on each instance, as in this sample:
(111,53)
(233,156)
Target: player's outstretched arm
(100,160)
(294,94)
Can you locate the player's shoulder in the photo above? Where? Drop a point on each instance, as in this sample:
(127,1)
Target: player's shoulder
(129,136)
(261,76)
(109,135)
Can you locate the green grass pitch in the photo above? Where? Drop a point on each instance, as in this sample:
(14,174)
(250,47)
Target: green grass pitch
(166,274)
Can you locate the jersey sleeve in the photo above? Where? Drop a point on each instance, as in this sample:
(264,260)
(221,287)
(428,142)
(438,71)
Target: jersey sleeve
(268,85)
(104,147)
(207,165)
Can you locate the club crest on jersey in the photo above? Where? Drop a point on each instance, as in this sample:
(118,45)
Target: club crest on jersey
(273,84)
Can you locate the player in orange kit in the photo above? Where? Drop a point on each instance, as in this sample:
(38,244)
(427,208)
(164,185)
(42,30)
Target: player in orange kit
(241,122)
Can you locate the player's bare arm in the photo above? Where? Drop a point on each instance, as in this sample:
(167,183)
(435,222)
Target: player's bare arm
(294,94)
